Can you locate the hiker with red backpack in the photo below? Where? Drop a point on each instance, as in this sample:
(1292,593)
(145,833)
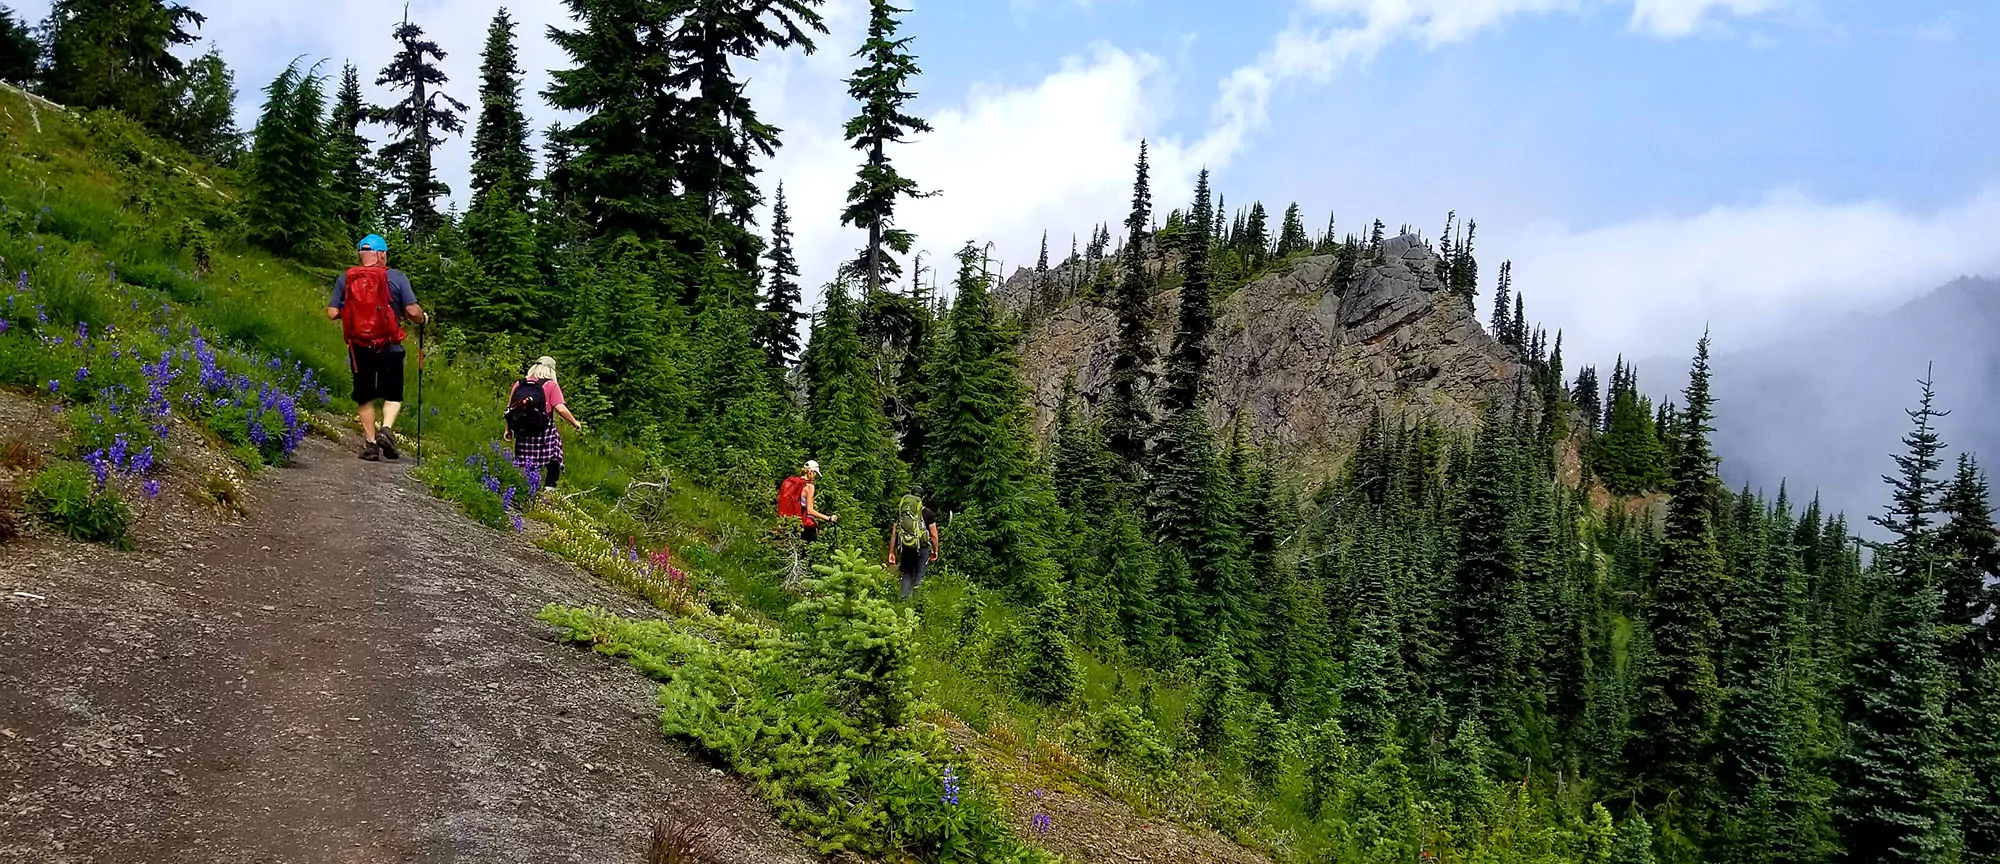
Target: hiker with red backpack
(796,500)
(371,301)
(530,404)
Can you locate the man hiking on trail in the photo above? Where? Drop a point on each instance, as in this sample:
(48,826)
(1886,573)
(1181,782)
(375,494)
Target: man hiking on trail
(914,538)
(538,446)
(796,498)
(371,301)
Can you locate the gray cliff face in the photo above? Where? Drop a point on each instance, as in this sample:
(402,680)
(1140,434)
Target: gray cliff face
(1303,363)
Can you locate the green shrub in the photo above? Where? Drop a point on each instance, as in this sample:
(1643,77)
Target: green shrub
(68,497)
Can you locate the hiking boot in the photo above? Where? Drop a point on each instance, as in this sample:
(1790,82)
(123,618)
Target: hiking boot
(386,439)
(370,452)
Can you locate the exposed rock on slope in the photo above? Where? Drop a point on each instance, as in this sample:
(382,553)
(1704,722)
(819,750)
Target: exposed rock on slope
(1301,361)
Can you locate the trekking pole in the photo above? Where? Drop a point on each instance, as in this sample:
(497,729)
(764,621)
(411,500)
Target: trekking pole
(421,327)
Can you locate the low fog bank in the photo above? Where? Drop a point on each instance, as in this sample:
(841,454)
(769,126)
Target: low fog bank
(1824,410)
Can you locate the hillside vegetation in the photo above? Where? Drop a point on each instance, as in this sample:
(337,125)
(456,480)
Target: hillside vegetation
(1457,648)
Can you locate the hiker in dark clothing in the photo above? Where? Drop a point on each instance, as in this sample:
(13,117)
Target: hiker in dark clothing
(913,538)
(532,404)
(371,302)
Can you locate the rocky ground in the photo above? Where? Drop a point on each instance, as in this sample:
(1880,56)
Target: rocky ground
(350,674)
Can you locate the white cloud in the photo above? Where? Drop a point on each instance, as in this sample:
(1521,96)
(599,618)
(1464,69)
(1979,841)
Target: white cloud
(1648,287)
(1326,36)
(1673,18)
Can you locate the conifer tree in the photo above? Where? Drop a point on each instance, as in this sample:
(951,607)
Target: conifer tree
(1891,806)
(1503,322)
(416,119)
(118,54)
(355,192)
(19,52)
(503,164)
(1187,365)
(1976,746)
(1128,418)
(1040,294)
(205,120)
(1292,233)
(621,172)
(1588,397)
(1679,698)
(1254,241)
(881,85)
(717,133)
(975,452)
(1486,579)
(285,202)
(780,327)
(846,429)
(1635,842)
(499,228)
(622,333)
(1968,567)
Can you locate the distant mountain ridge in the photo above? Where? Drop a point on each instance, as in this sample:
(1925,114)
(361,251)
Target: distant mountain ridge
(1302,361)
(1823,410)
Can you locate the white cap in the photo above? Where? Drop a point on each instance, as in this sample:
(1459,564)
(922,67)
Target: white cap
(812,466)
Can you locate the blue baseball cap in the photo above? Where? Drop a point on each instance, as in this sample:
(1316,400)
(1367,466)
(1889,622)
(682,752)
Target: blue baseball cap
(373,243)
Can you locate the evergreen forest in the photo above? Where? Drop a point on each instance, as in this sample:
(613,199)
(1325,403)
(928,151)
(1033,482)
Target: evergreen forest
(1553,635)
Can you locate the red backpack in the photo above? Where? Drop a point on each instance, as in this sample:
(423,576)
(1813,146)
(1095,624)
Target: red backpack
(792,499)
(368,316)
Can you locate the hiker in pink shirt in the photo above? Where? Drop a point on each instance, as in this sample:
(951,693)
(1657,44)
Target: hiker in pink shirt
(531,405)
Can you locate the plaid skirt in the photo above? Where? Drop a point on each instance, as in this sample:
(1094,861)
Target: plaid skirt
(541,449)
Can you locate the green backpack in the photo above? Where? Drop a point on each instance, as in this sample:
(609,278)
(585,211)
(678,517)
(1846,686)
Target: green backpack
(910,520)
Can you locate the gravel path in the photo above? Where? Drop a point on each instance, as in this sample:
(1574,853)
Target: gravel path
(352,674)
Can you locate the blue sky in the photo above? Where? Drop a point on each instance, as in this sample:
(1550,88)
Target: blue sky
(1653,167)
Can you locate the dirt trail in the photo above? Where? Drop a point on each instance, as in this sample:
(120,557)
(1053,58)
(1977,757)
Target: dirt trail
(353,674)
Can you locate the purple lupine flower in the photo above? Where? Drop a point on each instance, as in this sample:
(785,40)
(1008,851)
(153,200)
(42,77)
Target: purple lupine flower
(142,461)
(950,778)
(21,284)
(41,315)
(518,526)
(507,498)
(120,449)
(82,332)
(3,325)
(491,483)
(534,475)
(82,372)
(55,386)
(152,489)
(98,466)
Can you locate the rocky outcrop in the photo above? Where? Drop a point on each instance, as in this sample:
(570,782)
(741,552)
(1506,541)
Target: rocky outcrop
(1301,361)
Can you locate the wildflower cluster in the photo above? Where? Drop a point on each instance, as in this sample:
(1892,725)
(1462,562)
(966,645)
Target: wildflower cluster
(491,486)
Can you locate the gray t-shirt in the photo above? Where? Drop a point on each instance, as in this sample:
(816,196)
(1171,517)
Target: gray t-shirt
(399,290)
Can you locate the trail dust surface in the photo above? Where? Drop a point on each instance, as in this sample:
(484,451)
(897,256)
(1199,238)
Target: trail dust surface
(350,674)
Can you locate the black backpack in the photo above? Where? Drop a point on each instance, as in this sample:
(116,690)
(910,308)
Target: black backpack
(528,410)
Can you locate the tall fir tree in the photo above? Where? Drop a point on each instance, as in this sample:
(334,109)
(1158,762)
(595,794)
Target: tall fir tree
(119,55)
(1679,697)
(1503,321)
(355,191)
(1187,364)
(205,119)
(621,172)
(779,329)
(1292,237)
(1128,418)
(845,427)
(1892,805)
(20,54)
(285,202)
(416,119)
(1486,580)
(975,450)
(1968,567)
(718,135)
(881,85)
(499,227)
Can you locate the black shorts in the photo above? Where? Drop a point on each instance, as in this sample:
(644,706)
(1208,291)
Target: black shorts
(378,373)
